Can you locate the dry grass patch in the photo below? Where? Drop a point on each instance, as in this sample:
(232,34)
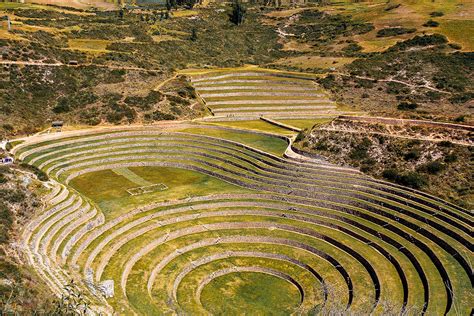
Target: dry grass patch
(4,34)
(163,38)
(89,45)
(184,13)
(456,23)
(377,45)
(284,13)
(78,4)
(459,31)
(294,45)
(305,62)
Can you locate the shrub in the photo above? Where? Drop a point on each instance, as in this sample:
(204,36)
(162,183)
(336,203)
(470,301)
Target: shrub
(435,14)
(12,196)
(433,167)
(391,174)
(3,179)
(39,173)
(300,136)
(413,180)
(193,36)
(328,82)
(359,152)
(410,179)
(425,40)
(8,127)
(352,48)
(450,158)
(407,106)
(363,83)
(459,98)
(114,76)
(431,23)
(455,46)
(321,145)
(445,143)
(394,31)
(61,107)
(368,165)
(177,99)
(397,88)
(433,95)
(238,13)
(161,116)
(392,6)
(412,155)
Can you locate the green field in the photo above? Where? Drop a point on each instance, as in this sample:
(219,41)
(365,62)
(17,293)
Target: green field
(113,198)
(259,125)
(262,294)
(274,145)
(234,226)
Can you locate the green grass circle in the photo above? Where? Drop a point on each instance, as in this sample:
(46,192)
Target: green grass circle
(240,292)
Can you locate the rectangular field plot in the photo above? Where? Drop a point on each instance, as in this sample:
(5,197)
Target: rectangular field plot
(147,189)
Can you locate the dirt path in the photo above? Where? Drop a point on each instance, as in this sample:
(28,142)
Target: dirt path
(431,139)
(161,84)
(425,86)
(59,64)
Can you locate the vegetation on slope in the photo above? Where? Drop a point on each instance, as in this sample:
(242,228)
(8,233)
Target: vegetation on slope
(106,86)
(423,70)
(21,291)
(109,46)
(441,167)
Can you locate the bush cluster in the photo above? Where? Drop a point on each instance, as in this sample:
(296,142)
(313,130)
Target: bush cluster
(38,172)
(406,106)
(431,23)
(410,179)
(394,31)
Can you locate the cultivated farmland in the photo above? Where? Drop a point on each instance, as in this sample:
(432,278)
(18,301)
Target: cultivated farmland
(245,94)
(236,157)
(232,222)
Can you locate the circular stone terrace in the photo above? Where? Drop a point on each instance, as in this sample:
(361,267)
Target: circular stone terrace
(260,230)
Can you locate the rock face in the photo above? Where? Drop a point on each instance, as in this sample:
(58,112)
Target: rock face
(106,288)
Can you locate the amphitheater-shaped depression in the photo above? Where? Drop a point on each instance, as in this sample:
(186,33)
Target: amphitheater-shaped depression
(217,219)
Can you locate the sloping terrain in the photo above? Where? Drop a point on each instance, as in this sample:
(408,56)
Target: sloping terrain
(434,157)
(256,195)
(339,239)
(239,94)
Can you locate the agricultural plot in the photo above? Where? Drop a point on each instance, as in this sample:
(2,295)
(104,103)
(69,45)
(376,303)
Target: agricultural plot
(246,94)
(287,233)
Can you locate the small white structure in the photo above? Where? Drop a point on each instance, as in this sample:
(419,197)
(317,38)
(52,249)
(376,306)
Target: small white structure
(3,144)
(7,160)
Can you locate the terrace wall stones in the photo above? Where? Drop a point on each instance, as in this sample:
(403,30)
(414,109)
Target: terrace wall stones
(395,222)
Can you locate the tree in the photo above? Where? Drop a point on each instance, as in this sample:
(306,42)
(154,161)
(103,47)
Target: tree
(238,13)
(189,3)
(193,34)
